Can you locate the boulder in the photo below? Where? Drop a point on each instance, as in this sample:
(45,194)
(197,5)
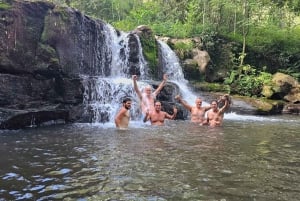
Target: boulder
(283,84)
(291,109)
(202,58)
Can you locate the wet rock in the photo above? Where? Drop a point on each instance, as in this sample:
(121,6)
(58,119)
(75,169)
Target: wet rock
(291,109)
(16,119)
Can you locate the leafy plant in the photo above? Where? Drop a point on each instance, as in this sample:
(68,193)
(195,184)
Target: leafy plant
(247,81)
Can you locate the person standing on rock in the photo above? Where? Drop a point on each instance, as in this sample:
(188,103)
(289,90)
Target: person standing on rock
(147,97)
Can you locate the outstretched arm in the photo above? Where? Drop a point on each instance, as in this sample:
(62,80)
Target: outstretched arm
(207,108)
(136,88)
(225,106)
(183,102)
(161,85)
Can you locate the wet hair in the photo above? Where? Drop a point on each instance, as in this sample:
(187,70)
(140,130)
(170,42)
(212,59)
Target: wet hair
(126,100)
(147,87)
(214,101)
(157,101)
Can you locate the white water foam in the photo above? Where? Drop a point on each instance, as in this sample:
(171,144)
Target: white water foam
(238,117)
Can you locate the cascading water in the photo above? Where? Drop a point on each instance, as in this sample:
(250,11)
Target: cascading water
(103,95)
(170,62)
(171,66)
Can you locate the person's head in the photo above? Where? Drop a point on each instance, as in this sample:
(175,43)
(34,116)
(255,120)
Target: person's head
(224,97)
(127,103)
(198,102)
(214,104)
(157,106)
(148,90)
(227,97)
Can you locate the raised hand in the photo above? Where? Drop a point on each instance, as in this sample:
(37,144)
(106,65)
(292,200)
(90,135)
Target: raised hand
(134,77)
(175,110)
(178,97)
(165,77)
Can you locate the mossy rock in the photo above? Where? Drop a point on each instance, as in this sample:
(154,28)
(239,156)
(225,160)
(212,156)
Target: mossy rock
(267,91)
(150,48)
(263,106)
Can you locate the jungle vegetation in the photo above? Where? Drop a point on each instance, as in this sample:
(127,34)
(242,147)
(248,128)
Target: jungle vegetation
(266,26)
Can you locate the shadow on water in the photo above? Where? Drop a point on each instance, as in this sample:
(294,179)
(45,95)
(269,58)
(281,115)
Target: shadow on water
(249,158)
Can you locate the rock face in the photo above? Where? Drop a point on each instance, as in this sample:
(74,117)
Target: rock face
(45,51)
(283,87)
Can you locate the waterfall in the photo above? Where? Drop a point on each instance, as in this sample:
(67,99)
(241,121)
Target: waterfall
(103,96)
(172,67)
(118,44)
(170,62)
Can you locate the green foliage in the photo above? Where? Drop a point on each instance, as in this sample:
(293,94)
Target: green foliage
(4,6)
(182,47)
(150,52)
(268,27)
(268,37)
(247,81)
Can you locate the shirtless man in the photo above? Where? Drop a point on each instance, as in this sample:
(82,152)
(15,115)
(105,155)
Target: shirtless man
(215,115)
(123,116)
(197,111)
(157,117)
(147,97)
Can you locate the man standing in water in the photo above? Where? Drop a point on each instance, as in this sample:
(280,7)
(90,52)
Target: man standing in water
(215,115)
(123,116)
(197,111)
(157,117)
(146,97)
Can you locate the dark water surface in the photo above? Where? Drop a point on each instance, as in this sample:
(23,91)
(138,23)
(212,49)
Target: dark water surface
(249,158)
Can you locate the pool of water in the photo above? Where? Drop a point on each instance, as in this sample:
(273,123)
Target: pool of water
(249,158)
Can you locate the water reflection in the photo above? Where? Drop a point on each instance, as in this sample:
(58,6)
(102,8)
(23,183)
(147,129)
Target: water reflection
(243,160)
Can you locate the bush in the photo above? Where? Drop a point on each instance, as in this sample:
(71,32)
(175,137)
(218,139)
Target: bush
(247,81)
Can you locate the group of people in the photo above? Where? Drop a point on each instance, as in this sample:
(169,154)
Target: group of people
(151,108)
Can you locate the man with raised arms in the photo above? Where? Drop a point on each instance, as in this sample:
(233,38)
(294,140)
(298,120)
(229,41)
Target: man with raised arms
(147,97)
(197,111)
(215,115)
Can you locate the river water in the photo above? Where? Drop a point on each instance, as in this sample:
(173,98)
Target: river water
(248,158)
